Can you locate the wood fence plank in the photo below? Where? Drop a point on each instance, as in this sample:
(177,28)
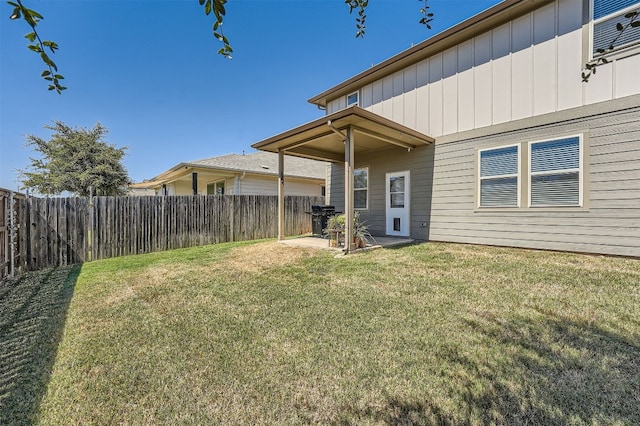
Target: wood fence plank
(71,230)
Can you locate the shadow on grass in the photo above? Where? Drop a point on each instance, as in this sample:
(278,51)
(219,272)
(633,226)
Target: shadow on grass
(554,372)
(32,315)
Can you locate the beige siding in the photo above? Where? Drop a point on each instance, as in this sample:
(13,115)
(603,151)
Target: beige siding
(250,185)
(269,186)
(181,187)
(302,188)
(525,68)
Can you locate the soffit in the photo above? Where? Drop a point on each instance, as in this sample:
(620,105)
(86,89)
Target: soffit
(318,141)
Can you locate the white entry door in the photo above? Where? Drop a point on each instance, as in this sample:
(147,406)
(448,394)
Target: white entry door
(398,197)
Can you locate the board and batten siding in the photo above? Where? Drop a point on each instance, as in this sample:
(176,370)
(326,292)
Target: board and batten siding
(524,68)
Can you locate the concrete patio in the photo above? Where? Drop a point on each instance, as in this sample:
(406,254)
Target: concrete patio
(323,243)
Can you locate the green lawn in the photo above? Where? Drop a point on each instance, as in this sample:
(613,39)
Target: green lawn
(263,333)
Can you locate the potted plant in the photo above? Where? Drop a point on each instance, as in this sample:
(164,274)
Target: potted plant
(360,231)
(336,230)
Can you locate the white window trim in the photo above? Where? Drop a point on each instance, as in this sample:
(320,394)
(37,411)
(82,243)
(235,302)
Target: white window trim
(357,102)
(215,183)
(594,22)
(580,171)
(516,175)
(366,207)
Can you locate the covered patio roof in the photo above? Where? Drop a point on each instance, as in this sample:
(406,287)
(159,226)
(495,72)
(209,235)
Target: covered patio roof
(339,138)
(317,140)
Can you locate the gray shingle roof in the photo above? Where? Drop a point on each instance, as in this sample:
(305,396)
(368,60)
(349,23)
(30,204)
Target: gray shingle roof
(266,163)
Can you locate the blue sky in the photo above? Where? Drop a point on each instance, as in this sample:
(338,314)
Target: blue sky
(148,71)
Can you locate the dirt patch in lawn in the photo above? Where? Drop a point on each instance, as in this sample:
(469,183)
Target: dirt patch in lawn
(265,256)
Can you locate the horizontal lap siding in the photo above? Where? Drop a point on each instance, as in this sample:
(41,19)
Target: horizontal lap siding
(252,185)
(269,186)
(610,224)
(418,162)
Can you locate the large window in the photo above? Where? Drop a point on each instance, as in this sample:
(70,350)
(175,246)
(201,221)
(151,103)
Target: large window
(499,172)
(361,188)
(607,15)
(554,172)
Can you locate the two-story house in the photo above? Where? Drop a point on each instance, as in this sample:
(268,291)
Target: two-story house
(485,133)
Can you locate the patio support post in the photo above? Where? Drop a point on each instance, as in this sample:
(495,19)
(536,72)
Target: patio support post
(280,195)
(349,145)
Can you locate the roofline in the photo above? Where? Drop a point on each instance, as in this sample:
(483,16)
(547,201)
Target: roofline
(169,174)
(353,110)
(490,18)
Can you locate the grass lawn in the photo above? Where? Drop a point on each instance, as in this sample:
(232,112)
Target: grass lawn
(263,333)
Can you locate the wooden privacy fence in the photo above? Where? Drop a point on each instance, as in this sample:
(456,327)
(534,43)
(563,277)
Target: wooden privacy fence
(59,231)
(10,215)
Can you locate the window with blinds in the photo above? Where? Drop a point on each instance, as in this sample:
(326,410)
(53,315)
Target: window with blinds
(499,171)
(554,172)
(607,14)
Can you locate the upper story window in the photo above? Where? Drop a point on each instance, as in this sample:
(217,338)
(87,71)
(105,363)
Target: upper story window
(361,189)
(499,175)
(607,15)
(352,99)
(555,172)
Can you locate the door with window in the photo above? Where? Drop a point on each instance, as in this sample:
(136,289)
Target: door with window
(398,196)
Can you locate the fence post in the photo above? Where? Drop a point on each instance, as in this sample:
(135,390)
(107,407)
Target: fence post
(90,230)
(12,234)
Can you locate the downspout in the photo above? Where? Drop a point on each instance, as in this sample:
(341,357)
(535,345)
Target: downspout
(238,185)
(194,183)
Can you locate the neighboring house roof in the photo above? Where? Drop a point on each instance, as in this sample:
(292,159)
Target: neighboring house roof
(261,163)
(493,17)
(265,163)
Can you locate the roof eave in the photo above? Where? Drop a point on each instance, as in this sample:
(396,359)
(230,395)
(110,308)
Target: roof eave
(493,17)
(273,144)
(178,171)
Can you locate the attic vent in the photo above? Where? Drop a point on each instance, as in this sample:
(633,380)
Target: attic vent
(264,167)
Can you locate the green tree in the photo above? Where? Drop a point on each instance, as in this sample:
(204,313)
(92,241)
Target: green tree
(75,159)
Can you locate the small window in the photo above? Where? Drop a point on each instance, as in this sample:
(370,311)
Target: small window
(607,15)
(216,188)
(352,99)
(499,171)
(361,188)
(554,171)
